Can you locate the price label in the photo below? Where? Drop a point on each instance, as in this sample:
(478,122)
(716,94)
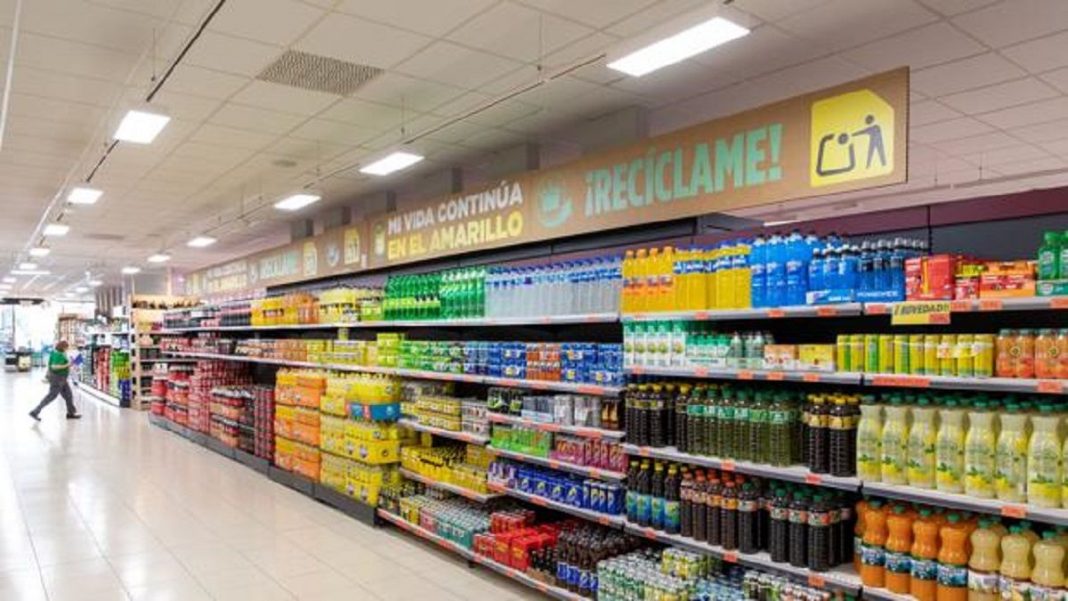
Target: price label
(554,464)
(776,376)
(589,433)
(539,501)
(730,557)
(644,452)
(990,304)
(637,370)
(1014,511)
(876,309)
(649,533)
(811,377)
(1050,386)
(702,316)
(550,427)
(541,586)
(592,319)
(1058,302)
(813,479)
(745,374)
(587,389)
(546,320)
(727,465)
(538,385)
(700,372)
(960,306)
(827,311)
(604,520)
(902,381)
(776,313)
(816,580)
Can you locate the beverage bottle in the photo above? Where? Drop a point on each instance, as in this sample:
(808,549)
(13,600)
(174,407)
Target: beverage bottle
(818,435)
(1015,581)
(631,498)
(873,546)
(880,266)
(898,547)
(869,441)
(714,503)
(896,277)
(847,268)
(781,425)
(842,436)
(1005,361)
(699,507)
(985,561)
(686,504)
(798,531)
(980,446)
(1010,455)
(778,526)
(740,444)
(758,259)
(949,452)
(656,497)
(1047,577)
(866,268)
(815,270)
(682,400)
(1061,346)
(858,532)
(748,519)
(831,278)
(776,272)
(743,286)
(895,443)
(644,501)
(819,534)
(1049,256)
(923,439)
(796,268)
(1046,359)
(953,560)
(672,510)
(728,516)
(1024,351)
(923,580)
(1064,257)
(1044,466)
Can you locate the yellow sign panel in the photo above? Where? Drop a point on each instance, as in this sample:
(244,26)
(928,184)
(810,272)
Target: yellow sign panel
(920,313)
(852,138)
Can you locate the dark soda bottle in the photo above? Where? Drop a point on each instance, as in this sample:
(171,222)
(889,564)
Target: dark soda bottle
(630,416)
(798,532)
(700,509)
(778,526)
(670,394)
(819,435)
(644,500)
(671,501)
(728,513)
(748,519)
(631,498)
(656,494)
(845,529)
(843,436)
(657,407)
(681,435)
(819,534)
(686,504)
(714,501)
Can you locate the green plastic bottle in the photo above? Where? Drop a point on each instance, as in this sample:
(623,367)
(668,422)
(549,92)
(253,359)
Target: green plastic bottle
(724,440)
(1063,269)
(741,427)
(779,434)
(1049,256)
(759,428)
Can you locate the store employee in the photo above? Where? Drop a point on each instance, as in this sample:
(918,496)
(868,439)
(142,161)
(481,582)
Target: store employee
(58,384)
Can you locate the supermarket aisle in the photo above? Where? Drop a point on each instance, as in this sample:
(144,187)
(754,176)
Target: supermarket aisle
(110,507)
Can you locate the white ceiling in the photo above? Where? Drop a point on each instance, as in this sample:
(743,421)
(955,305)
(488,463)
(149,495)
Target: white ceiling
(989,102)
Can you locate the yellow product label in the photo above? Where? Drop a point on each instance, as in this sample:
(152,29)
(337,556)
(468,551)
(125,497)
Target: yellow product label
(852,138)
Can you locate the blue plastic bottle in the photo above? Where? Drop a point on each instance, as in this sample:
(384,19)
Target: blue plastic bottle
(881,267)
(815,271)
(758,272)
(776,272)
(848,267)
(795,269)
(831,280)
(897,268)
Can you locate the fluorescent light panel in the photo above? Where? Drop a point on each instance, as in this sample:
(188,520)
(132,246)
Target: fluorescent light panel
(94,283)
(56,229)
(141,126)
(392,162)
(159,258)
(296,202)
(40,251)
(84,195)
(131,270)
(30,272)
(200,242)
(81,290)
(10,280)
(28,265)
(679,47)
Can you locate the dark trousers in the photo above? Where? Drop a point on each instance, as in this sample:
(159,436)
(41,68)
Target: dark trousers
(58,386)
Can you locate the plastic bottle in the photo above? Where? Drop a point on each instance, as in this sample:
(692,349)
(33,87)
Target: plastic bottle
(798,516)
(980,445)
(949,452)
(1064,257)
(775,272)
(953,560)
(895,443)
(831,279)
(923,581)
(1010,456)
(923,440)
(848,267)
(1025,354)
(778,526)
(984,562)
(1049,256)
(869,442)
(1015,581)
(672,518)
(1005,362)
(898,547)
(873,546)
(1044,466)
(758,266)
(1046,360)
(1047,577)
(815,270)
(862,507)
(796,268)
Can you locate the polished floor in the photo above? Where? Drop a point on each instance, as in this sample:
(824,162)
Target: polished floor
(110,507)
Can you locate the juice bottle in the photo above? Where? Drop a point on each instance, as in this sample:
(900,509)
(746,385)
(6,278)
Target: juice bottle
(953,560)
(1047,578)
(895,443)
(1005,361)
(873,551)
(979,452)
(949,451)
(639,283)
(626,300)
(898,547)
(1061,350)
(1046,360)
(858,532)
(1015,569)
(743,287)
(869,441)
(984,563)
(666,271)
(1010,456)
(923,581)
(923,437)
(1044,466)
(1025,354)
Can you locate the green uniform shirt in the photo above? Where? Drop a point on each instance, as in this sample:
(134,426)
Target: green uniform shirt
(59,358)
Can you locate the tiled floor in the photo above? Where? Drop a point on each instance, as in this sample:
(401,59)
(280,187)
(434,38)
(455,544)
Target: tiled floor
(110,507)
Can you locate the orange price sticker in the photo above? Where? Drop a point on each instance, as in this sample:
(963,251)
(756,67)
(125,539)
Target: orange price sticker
(702,315)
(541,586)
(745,374)
(604,520)
(1014,511)
(649,533)
(587,389)
(637,370)
(876,309)
(776,376)
(990,304)
(595,473)
(940,319)
(554,464)
(827,311)
(1058,302)
(816,580)
(813,478)
(776,313)
(644,452)
(539,501)
(589,433)
(811,377)
(730,557)
(960,306)
(727,465)
(550,427)
(1050,386)
(700,372)
(902,381)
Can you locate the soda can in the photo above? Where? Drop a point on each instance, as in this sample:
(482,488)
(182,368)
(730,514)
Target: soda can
(947,363)
(901,354)
(916,354)
(842,353)
(886,353)
(930,354)
(984,355)
(871,353)
(856,352)
(964,354)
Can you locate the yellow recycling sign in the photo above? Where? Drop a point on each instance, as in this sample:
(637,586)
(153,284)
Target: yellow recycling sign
(852,138)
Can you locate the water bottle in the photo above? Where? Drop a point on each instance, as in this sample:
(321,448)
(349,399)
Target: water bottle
(897,268)
(815,271)
(830,268)
(775,273)
(795,265)
(865,268)
(758,259)
(847,268)
(881,266)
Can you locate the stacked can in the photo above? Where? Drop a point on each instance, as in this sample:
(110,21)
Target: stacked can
(959,355)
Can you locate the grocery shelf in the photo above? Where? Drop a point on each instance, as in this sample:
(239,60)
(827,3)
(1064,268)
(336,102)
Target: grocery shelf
(1057,517)
(461,436)
(582,470)
(468,554)
(1024,385)
(415,323)
(837,310)
(454,489)
(884,595)
(98,394)
(842,578)
(585,431)
(815,377)
(1029,303)
(793,473)
(601,518)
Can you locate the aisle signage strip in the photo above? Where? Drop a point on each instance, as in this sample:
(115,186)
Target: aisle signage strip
(845,138)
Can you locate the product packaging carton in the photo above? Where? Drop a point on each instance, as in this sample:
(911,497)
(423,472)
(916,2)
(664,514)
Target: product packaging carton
(1008,279)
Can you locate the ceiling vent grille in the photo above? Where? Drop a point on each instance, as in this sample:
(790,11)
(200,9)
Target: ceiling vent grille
(318,73)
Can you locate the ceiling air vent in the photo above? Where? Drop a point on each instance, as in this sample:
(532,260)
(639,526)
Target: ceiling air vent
(319,73)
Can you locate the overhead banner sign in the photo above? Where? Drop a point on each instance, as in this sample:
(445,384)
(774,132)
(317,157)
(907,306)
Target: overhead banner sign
(849,137)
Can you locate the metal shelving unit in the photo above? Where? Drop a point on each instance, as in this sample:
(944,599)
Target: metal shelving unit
(461,436)
(601,518)
(454,489)
(1055,516)
(585,431)
(416,323)
(564,466)
(800,311)
(813,377)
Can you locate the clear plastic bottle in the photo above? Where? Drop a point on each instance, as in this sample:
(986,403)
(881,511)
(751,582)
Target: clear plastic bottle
(984,563)
(869,442)
(949,452)
(980,445)
(1047,577)
(1010,456)
(758,259)
(1044,467)
(895,443)
(923,440)
(1015,581)
(776,272)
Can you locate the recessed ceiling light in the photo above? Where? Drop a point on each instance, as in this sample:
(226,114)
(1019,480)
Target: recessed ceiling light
(296,202)
(201,242)
(141,126)
(394,161)
(95,283)
(159,258)
(28,265)
(81,290)
(30,272)
(40,251)
(679,46)
(131,270)
(83,195)
(56,229)
(10,280)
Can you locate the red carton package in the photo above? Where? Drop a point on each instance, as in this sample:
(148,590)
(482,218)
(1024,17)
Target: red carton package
(931,278)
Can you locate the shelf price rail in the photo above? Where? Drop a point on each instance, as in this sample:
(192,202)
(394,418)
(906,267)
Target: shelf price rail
(582,318)
(581,470)
(454,489)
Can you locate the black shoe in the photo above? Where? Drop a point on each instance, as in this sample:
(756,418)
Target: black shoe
(34,415)
(74,416)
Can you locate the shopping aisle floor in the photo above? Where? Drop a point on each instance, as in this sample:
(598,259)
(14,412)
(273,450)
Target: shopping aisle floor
(110,507)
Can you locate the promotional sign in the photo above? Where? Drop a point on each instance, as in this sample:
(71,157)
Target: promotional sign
(849,137)
(917,313)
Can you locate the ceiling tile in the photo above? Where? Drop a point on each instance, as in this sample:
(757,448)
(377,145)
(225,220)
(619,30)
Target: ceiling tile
(1033,166)
(229,136)
(455,65)
(61,111)
(1058,79)
(46,84)
(582,49)
(313,151)
(773,10)
(1001,95)
(930,111)
(503,114)
(1042,54)
(764,50)
(1028,114)
(364,114)
(211,151)
(856,22)
(1042,132)
(917,48)
(74,58)
(103,26)
(971,144)
(593,14)
(231,55)
(1009,154)
(277,22)
(518,32)
(362,42)
(522,77)
(336,132)
(462,104)
(680,81)
(431,18)
(953,7)
(1007,23)
(198,81)
(285,99)
(1058,147)
(965,74)
(189,11)
(949,130)
(184,106)
(653,15)
(255,119)
(401,90)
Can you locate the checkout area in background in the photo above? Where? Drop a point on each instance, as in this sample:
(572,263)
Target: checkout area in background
(27,332)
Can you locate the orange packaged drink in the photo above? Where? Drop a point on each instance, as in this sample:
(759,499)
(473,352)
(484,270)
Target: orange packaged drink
(923,578)
(898,547)
(1025,354)
(858,533)
(1061,348)
(1046,354)
(953,560)
(873,546)
(1005,363)
(626,303)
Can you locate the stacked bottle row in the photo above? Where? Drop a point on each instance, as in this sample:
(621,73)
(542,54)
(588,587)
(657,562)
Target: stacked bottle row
(804,526)
(564,288)
(457,293)
(951,556)
(694,344)
(763,424)
(1010,448)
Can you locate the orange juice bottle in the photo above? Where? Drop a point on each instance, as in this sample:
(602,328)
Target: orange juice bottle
(953,560)
(666,272)
(985,562)
(1025,357)
(1061,347)
(1005,362)
(1047,579)
(858,533)
(873,546)
(923,579)
(1015,581)
(639,301)
(626,301)
(898,547)
(1046,360)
